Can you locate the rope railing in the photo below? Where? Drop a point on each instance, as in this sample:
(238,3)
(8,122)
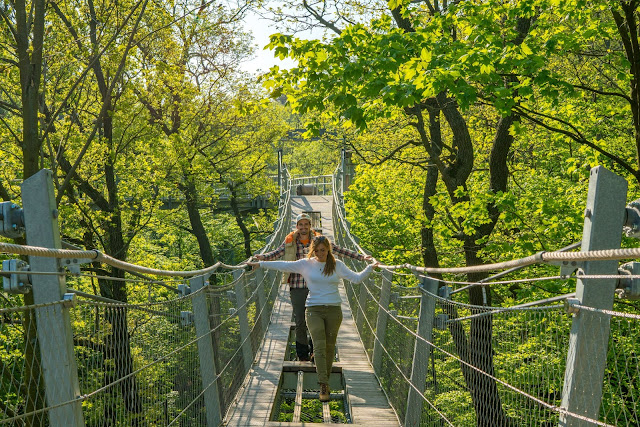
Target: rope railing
(139,362)
(136,373)
(412,333)
(142,361)
(521,367)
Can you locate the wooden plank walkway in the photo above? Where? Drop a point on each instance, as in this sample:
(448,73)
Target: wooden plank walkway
(254,402)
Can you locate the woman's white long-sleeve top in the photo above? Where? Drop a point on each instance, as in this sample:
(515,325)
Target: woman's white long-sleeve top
(323,290)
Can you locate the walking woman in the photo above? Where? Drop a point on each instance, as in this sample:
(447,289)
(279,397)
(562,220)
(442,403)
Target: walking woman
(322,272)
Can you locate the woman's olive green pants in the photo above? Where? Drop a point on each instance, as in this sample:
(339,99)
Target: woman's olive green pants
(323,322)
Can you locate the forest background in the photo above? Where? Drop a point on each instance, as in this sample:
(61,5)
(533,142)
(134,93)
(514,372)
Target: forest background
(474,124)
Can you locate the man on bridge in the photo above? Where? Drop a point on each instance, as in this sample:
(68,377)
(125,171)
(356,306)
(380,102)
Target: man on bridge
(295,247)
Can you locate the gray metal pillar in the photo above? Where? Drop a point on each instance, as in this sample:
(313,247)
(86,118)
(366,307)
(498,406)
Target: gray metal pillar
(381,321)
(55,336)
(280,186)
(362,303)
(261,290)
(206,352)
(247,353)
(421,352)
(589,340)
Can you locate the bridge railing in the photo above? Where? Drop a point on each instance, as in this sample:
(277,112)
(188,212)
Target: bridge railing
(444,362)
(177,356)
(320,185)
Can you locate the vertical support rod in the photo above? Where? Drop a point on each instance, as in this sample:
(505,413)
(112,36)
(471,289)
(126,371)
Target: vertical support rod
(55,336)
(247,353)
(381,321)
(588,343)
(206,351)
(260,278)
(280,186)
(421,352)
(362,303)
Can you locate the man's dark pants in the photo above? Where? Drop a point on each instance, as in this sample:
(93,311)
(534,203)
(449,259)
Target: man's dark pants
(298,301)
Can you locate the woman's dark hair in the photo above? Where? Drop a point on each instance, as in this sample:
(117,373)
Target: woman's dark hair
(330,265)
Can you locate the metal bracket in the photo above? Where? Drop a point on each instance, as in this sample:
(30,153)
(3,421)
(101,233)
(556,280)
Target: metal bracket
(69,300)
(184,290)
(631,225)
(186,318)
(441,321)
(627,287)
(16,283)
(11,220)
(570,305)
(444,292)
(568,267)
(73,264)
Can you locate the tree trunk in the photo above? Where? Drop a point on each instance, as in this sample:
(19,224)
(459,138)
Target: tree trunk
(30,65)
(239,220)
(116,247)
(30,69)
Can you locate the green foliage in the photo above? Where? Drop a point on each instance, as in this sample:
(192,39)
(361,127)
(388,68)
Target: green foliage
(385,211)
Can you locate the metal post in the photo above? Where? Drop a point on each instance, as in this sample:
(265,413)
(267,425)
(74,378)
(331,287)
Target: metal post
(362,302)
(247,353)
(381,321)
(588,343)
(55,336)
(421,352)
(206,352)
(260,278)
(280,186)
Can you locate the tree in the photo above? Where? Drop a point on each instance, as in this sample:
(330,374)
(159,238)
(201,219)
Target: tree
(365,73)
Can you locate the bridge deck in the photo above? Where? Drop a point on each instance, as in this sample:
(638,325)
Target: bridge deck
(254,403)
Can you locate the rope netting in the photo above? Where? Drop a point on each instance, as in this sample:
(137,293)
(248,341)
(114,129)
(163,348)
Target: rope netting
(137,363)
(478,365)
(489,365)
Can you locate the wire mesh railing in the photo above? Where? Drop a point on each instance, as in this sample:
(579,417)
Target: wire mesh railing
(479,365)
(165,359)
(321,185)
(142,363)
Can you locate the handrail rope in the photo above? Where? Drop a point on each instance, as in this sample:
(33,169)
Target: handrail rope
(280,222)
(554,408)
(30,307)
(96,255)
(339,206)
(68,245)
(133,373)
(540,257)
(604,311)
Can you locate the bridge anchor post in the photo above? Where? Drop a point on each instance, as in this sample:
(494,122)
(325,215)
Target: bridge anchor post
(588,343)
(243,319)
(421,352)
(206,352)
(55,335)
(381,321)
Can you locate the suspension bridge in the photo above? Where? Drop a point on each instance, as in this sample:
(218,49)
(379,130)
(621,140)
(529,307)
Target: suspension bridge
(214,346)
